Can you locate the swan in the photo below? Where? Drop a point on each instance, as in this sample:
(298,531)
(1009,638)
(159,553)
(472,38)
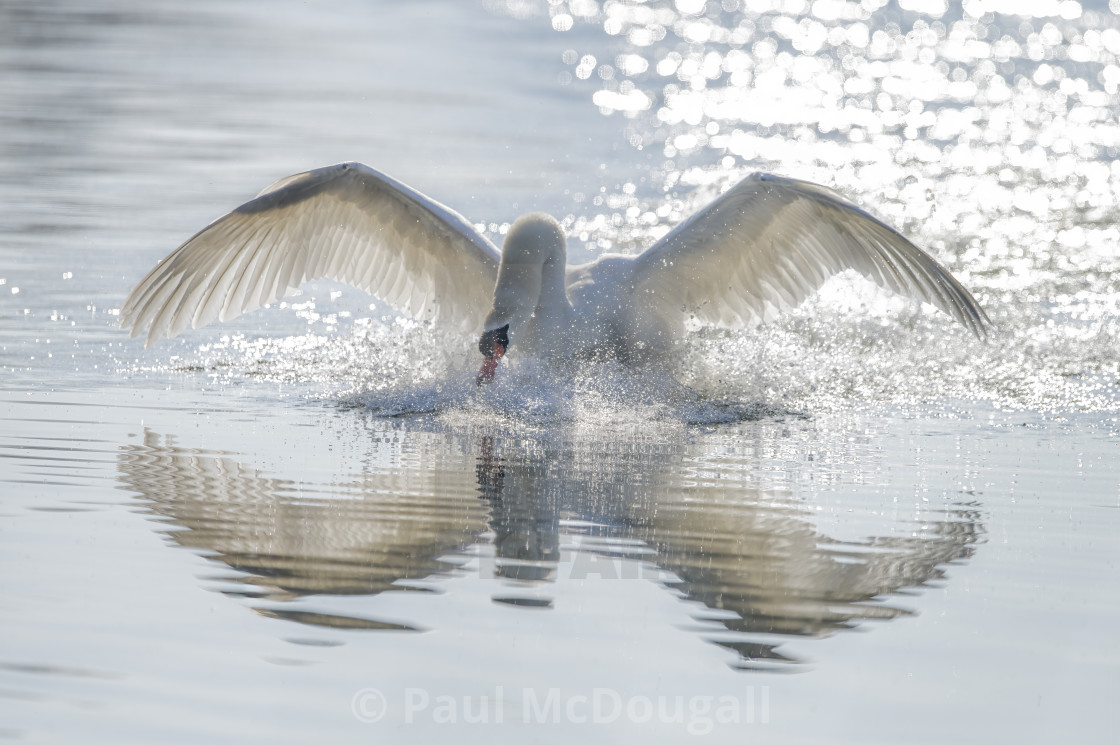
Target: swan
(761,247)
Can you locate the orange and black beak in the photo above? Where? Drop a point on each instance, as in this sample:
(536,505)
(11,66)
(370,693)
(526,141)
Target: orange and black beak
(493,345)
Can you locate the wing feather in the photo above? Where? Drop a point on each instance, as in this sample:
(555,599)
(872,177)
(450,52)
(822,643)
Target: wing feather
(346,222)
(770,242)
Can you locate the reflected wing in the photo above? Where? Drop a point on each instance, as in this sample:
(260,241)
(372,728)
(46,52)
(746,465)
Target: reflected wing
(770,242)
(358,535)
(346,222)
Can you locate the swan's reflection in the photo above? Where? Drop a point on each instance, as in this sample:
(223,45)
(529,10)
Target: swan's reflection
(740,550)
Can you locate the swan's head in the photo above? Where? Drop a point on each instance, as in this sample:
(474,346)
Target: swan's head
(493,345)
(533,243)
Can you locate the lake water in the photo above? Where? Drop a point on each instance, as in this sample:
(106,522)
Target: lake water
(856,524)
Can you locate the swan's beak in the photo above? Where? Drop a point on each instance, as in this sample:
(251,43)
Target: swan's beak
(493,345)
(490,365)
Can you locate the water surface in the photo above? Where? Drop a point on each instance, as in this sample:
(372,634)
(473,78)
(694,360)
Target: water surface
(854,524)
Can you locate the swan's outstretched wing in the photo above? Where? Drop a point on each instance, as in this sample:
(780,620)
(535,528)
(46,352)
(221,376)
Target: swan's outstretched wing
(346,222)
(770,242)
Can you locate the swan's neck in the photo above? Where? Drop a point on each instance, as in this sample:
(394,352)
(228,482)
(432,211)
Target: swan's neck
(530,294)
(554,297)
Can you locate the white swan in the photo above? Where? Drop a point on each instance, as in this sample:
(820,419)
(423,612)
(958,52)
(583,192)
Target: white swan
(763,246)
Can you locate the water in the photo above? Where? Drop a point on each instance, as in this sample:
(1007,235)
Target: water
(855,524)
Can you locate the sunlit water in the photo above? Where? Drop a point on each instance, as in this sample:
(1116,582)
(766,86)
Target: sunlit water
(853,524)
